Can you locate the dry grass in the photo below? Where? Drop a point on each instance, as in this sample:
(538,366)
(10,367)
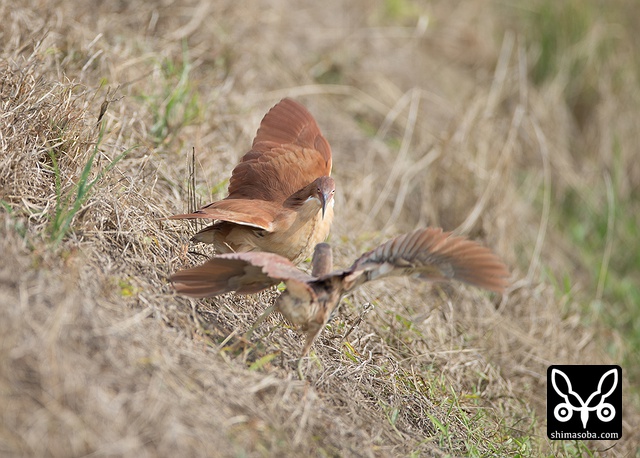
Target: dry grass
(437,126)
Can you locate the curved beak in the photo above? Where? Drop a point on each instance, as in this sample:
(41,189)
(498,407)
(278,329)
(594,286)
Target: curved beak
(325,198)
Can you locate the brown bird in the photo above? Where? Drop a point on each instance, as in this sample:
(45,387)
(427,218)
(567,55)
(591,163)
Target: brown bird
(309,300)
(280,194)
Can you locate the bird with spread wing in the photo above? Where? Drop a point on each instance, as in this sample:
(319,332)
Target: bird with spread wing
(309,300)
(280,194)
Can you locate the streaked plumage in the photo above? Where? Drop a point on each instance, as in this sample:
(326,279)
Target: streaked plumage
(308,301)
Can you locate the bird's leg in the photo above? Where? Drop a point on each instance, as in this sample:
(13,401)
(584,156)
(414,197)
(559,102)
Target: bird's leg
(312,333)
(313,330)
(299,369)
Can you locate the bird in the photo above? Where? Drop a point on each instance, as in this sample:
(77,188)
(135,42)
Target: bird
(309,300)
(281,194)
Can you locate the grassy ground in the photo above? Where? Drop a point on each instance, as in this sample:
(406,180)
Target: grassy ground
(512,122)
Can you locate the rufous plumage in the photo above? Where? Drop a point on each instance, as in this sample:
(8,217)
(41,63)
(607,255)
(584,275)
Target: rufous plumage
(309,300)
(281,195)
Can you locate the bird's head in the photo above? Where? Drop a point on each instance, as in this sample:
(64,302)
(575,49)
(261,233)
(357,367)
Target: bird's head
(322,262)
(324,189)
(320,191)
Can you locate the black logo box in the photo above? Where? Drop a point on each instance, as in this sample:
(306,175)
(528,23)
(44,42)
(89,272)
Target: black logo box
(579,394)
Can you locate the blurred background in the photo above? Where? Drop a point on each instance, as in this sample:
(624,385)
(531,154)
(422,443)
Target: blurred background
(514,123)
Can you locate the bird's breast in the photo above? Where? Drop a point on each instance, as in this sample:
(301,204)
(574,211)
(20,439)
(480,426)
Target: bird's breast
(297,231)
(298,311)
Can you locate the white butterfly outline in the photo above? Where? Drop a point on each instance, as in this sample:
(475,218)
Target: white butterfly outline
(583,408)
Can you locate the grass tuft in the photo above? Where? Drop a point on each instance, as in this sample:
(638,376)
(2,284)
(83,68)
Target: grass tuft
(437,125)
(70,201)
(177,105)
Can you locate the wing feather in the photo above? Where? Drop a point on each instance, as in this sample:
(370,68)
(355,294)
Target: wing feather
(260,215)
(434,255)
(276,174)
(290,122)
(245,273)
(288,153)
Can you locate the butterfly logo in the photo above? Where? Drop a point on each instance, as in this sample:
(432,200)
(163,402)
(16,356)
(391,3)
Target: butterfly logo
(573,402)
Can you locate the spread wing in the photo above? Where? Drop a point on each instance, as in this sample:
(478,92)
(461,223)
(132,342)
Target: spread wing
(288,153)
(245,273)
(288,122)
(433,255)
(240,211)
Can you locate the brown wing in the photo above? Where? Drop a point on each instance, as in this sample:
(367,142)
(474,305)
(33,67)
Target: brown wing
(288,122)
(276,174)
(431,255)
(288,153)
(245,273)
(255,213)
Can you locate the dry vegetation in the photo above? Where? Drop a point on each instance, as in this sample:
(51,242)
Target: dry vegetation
(438,115)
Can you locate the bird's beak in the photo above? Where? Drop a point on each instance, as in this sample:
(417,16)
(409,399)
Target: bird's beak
(325,197)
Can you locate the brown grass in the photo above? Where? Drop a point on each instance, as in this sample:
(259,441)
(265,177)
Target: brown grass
(437,126)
